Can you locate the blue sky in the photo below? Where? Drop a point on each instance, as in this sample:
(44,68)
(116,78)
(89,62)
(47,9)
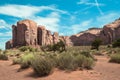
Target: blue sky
(64,16)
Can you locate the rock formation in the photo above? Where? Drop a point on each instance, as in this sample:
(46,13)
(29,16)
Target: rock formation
(9,44)
(107,34)
(86,37)
(27,33)
(24,33)
(110,32)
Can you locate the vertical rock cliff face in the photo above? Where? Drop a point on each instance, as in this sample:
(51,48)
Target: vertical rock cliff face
(110,32)
(45,37)
(41,35)
(55,37)
(27,33)
(24,33)
(48,38)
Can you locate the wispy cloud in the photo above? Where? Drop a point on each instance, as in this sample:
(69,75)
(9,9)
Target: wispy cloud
(98,6)
(91,4)
(6,34)
(25,11)
(87,2)
(51,21)
(81,26)
(4,25)
(98,21)
(107,18)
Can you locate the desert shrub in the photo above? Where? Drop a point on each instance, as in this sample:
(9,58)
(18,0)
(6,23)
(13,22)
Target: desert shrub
(73,61)
(16,61)
(3,56)
(116,43)
(84,61)
(115,58)
(88,63)
(53,57)
(25,60)
(42,65)
(96,43)
(5,51)
(67,62)
(0,50)
(59,46)
(80,60)
(86,53)
(27,48)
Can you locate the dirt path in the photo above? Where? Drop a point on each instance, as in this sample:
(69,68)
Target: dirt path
(108,71)
(102,71)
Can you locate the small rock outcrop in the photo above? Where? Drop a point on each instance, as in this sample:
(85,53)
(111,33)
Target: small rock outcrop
(9,44)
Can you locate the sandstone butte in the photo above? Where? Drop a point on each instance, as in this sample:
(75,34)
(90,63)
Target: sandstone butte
(28,33)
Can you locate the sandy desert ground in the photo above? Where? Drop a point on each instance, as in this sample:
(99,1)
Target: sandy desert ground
(102,71)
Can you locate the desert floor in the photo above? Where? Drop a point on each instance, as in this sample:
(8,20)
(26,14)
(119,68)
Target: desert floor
(103,70)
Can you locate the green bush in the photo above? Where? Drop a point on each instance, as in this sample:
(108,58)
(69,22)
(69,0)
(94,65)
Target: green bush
(59,46)
(3,56)
(88,63)
(116,43)
(87,54)
(27,48)
(96,43)
(80,60)
(0,50)
(25,60)
(72,61)
(16,61)
(42,65)
(67,62)
(115,58)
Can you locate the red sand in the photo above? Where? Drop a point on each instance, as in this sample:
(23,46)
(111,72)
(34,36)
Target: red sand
(102,71)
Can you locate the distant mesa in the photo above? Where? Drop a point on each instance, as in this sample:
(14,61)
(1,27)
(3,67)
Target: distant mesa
(28,33)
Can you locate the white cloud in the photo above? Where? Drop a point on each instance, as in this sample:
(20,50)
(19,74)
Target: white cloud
(51,21)
(6,34)
(25,11)
(98,6)
(91,4)
(4,25)
(107,18)
(99,22)
(2,42)
(82,26)
(87,2)
(18,10)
